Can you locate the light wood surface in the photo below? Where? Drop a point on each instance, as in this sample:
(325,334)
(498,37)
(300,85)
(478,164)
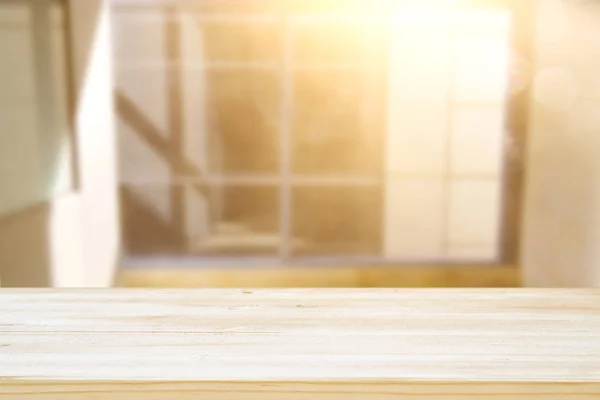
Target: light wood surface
(425,344)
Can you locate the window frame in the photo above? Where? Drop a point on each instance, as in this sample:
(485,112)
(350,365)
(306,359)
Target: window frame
(513,160)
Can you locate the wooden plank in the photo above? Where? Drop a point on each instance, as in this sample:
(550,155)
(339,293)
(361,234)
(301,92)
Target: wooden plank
(300,344)
(421,276)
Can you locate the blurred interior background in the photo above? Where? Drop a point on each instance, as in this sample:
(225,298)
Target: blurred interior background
(317,143)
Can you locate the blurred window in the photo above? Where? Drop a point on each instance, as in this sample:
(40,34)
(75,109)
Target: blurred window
(295,132)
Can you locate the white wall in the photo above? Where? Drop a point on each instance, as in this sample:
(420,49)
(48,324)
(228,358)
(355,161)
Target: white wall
(96,139)
(562,206)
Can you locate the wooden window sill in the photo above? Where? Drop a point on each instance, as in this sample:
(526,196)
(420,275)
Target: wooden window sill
(324,276)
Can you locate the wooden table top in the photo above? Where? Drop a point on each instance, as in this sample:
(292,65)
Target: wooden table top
(319,341)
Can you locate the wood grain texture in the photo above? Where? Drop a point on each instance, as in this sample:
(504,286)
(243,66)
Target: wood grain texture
(300,344)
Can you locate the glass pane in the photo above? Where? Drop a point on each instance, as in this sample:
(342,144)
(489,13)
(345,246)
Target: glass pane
(319,40)
(414,222)
(243,7)
(240,41)
(482,67)
(477,140)
(336,221)
(194,219)
(248,7)
(139,36)
(149,220)
(35,148)
(474,218)
(244,221)
(338,122)
(244,121)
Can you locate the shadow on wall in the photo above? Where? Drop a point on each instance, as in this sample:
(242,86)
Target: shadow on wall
(25,249)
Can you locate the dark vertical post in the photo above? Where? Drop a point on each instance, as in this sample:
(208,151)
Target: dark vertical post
(386,106)
(523,18)
(285,143)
